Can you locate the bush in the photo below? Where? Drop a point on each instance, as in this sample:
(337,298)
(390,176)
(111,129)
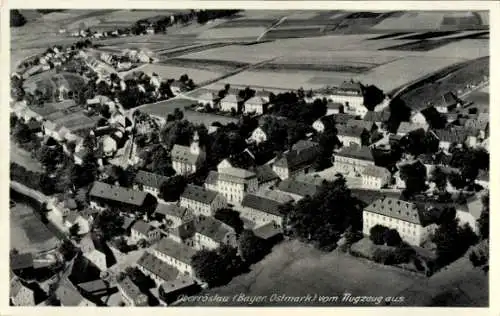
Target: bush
(392,238)
(16,19)
(377,234)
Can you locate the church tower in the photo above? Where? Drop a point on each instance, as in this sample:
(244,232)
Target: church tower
(195,144)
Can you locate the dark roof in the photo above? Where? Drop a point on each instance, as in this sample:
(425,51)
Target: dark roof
(233,174)
(212,228)
(452,135)
(118,193)
(334,105)
(34,125)
(94,286)
(353,131)
(399,209)
(267,231)
(298,188)
(373,116)
(376,171)
(406,127)
(304,154)
(183,154)
(142,227)
(448,99)
(181,282)
(261,204)
(150,179)
(342,118)
(199,194)
(69,295)
(127,222)
(360,124)
(157,266)
(356,152)
(183,213)
(132,290)
(21,261)
(265,174)
(175,250)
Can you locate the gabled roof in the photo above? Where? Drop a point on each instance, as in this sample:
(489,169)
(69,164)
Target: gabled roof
(448,99)
(157,267)
(181,282)
(237,175)
(212,178)
(376,171)
(356,152)
(231,98)
(353,123)
(182,213)
(452,135)
(69,295)
(265,174)
(406,127)
(267,231)
(401,210)
(199,194)
(353,131)
(94,286)
(183,154)
(150,179)
(304,154)
(212,228)
(142,227)
(262,204)
(372,116)
(334,105)
(256,101)
(298,188)
(175,250)
(118,193)
(132,290)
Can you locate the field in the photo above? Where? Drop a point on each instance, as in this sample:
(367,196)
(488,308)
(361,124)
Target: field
(435,20)
(173,72)
(239,53)
(292,269)
(237,33)
(27,232)
(23,158)
(49,80)
(77,121)
(219,66)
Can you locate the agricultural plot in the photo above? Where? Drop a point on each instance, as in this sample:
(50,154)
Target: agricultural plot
(293,32)
(134,15)
(219,66)
(173,72)
(237,53)
(245,23)
(233,33)
(434,20)
(49,80)
(430,44)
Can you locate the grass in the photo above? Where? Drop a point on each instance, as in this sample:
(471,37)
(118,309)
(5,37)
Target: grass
(23,158)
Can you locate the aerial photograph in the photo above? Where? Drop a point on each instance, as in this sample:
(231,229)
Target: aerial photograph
(232,157)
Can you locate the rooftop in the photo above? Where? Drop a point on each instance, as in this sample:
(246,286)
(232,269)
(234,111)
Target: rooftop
(131,289)
(298,188)
(376,171)
(183,213)
(302,154)
(212,228)
(452,135)
(118,193)
(181,282)
(157,267)
(175,250)
(352,131)
(261,203)
(356,152)
(142,227)
(267,231)
(199,194)
(233,174)
(150,179)
(183,154)
(401,210)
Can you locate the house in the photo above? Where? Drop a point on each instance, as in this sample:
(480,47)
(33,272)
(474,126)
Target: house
(69,296)
(297,189)
(171,291)
(75,218)
(454,135)
(211,233)
(20,294)
(266,176)
(50,129)
(64,208)
(418,118)
(409,219)
(296,161)
(96,288)
(353,160)
(176,254)
(187,160)
(471,211)
(128,222)
(259,135)
(448,102)
(179,220)
(377,118)
(233,183)
(351,135)
(230,102)
(334,108)
(407,127)
(269,232)
(211,180)
(479,126)
(93,250)
(102,194)
(156,269)
(131,294)
(349,93)
(149,182)
(207,98)
(201,200)
(375,177)
(255,105)
(142,230)
(261,210)
(367,125)
(323,123)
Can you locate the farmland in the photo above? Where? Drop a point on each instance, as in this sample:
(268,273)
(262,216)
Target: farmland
(434,20)
(49,80)
(174,72)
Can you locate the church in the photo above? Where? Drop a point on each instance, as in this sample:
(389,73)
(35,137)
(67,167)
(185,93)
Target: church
(188,159)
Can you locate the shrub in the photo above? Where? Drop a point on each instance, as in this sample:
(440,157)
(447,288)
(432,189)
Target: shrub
(392,237)
(377,234)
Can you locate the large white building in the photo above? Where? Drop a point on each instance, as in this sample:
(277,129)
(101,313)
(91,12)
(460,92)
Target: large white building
(176,254)
(353,160)
(187,160)
(234,183)
(375,177)
(408,218)
(350,94)
(201,200)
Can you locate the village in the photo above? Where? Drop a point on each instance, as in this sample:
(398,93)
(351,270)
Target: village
(150,206)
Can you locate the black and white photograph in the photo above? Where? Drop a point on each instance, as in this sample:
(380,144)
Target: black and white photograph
(237,157)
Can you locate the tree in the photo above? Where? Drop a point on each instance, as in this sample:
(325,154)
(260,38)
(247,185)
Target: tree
(452,241)
(392,237)
(16,19)
(377,234)
(109,224)
(208,265)
(142,243)
(74,229)
(414,175)
(172,188)
(252,248)
(440,178)
(231,218)
(178,114)
(484,219)
(67,250)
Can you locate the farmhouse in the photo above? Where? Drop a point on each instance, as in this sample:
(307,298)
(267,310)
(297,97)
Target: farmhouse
(261,210)
(408,218)
(175,254)
(350,94)
(187,160)
(297,189)
(375,177)
(210,233)
(255,105)
(233,183)
(353,160)
(352,135)
(142,230)
(20,294)
(131,294)
(103,194)
(76,218)
(149,182)
(201,200)
(448,102)
(296,161)
(229,102)
(157,269)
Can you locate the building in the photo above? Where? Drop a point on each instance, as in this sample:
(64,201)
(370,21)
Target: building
(375,177)
(407,127)
(323,123)
(448,102)
(210,233)
(377,118)
(334,108)
(178,219)
(93,251)
(20,294)
(230,102)
(266,176)
(480,126)
(157,269)
(170,291)
(142,230)
(69,296)
(176,254)
(96,288)
(408,218)
(201,201)
(149,182)
(367,125)
(233,183)
(256,105)
(471,211)
(418,118)
(259,135)
(353,160)
(103,194)
(297,189)
(261,210)
(131,294)
(296,161)
(349,93)
(207,98)
(352,135)
(187,160)
(75,218)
